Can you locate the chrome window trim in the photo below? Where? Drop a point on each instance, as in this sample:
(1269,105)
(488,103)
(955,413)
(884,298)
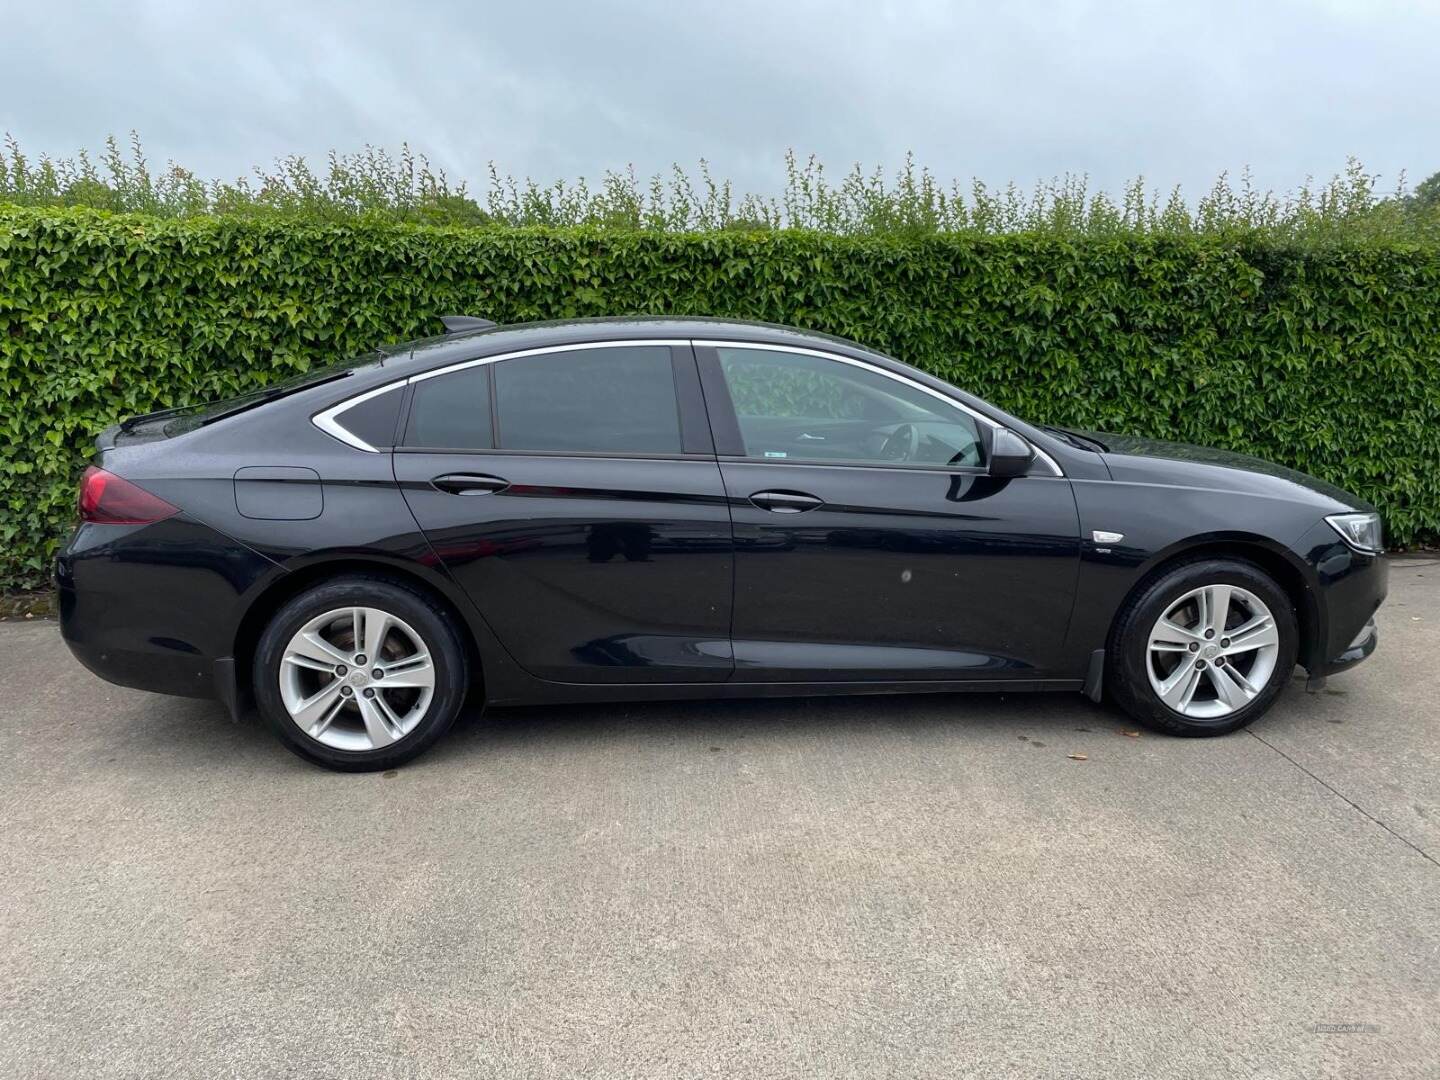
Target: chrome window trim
(327,420)
(1043,456)
(572,347)
(994,425)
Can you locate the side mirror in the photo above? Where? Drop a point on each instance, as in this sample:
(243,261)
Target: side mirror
(1010,454)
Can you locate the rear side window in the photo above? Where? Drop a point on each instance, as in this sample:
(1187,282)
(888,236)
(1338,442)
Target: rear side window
(452,412)
(607,401)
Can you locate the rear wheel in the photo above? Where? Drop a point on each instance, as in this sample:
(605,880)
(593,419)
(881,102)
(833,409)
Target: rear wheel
(360,673)
(1204,649)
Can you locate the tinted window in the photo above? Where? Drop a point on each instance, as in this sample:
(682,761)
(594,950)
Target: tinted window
(616,401)
(374,421)
(796,407)
(452,411)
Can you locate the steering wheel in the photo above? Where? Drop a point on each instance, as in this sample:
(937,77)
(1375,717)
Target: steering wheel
(901,444)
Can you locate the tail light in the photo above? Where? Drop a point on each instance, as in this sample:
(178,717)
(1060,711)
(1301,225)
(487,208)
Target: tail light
(107,499)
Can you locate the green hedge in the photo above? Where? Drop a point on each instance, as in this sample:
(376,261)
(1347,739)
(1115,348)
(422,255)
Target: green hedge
(1325,359)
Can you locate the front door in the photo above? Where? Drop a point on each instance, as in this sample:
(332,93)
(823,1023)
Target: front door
(575,495)
(870,541)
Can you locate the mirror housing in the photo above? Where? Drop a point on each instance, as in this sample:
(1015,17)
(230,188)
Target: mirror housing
(1010,454)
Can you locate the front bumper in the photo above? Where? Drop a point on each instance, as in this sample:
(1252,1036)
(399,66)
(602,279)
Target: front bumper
(1351,587)
(1363,645)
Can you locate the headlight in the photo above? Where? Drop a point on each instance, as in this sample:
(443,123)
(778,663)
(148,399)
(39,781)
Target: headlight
(1360,531)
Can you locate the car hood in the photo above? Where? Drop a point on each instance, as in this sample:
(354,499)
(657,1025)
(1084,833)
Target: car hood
(1138,458)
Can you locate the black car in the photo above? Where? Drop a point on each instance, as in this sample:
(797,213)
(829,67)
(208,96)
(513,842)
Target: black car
(661,508)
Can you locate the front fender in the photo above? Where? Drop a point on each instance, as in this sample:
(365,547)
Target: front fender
(1160,524)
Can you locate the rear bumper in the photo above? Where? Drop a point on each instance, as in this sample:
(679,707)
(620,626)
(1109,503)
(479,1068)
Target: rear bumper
(161,673)
(155,607)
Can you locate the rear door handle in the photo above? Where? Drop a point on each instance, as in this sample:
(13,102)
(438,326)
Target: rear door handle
(469,484)
(785,502)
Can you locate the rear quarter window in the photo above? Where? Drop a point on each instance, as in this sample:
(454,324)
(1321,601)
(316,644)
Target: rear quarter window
(373,421)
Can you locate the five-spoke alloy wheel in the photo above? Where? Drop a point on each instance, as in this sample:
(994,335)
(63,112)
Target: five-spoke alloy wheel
(356,678)
(360,673)
(1213,651)
(1204,648)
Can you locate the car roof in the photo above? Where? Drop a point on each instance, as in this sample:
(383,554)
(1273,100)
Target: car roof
(436,351)
(399,362)
(406,359)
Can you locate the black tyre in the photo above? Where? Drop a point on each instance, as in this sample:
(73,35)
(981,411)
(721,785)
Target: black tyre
(1203,649)
(360,673)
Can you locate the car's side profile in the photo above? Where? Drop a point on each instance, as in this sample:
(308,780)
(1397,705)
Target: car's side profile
(663,508)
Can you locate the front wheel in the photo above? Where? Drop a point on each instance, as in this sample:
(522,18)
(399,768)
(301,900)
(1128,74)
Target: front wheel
(1204,649)
(360,673)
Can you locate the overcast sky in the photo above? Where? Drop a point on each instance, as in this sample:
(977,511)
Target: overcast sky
(1003,89)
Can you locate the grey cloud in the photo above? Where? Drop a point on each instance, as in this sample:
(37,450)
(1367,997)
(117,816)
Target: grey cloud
(559,89)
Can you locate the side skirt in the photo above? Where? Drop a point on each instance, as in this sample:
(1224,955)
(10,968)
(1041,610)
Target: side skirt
(539,692)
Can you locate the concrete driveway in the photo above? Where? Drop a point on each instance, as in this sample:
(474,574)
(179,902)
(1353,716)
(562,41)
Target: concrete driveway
(860,887)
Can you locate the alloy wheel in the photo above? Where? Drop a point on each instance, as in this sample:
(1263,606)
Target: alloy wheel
(1212,651)
(356,678)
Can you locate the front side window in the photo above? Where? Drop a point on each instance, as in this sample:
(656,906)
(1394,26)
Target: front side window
(611,401)
(797,407)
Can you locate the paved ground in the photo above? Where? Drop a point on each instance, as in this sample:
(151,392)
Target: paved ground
(863,887)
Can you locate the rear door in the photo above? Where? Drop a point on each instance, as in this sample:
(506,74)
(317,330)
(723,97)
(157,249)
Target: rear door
(574,493)
(871,543)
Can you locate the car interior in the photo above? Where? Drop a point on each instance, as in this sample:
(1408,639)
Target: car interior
(808,408)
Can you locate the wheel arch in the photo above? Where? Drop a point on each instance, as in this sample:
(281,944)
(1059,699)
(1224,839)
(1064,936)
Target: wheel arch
(283,587)
(1288,569)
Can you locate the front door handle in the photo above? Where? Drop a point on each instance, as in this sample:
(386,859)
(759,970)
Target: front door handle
(785,502)
(469,484)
